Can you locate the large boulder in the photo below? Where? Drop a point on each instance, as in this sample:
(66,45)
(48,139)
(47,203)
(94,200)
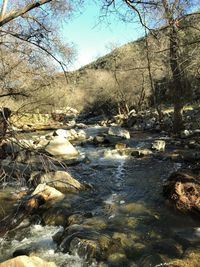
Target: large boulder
(120,132)
(61,180)
(85,242)
(182,190)
(25,261)
(60,146)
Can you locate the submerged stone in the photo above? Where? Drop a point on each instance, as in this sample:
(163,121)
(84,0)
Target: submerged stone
(168,247)
(189,236)
(56,216)
(118,259)
(151,260)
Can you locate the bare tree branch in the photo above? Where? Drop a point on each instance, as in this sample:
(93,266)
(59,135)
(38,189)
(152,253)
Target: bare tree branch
(21,11)
(40,47)
(3,10)
(14,94)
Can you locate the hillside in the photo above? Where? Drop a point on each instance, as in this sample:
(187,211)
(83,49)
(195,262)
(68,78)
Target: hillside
(121,77)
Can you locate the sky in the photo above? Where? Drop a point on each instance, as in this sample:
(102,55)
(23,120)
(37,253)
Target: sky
(92,38)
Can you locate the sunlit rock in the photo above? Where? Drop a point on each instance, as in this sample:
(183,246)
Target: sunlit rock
(99,139)
(25,261)
(120,146)
(120,132)
(186,133)
(60,146)
(47,192)
(61,133)
(81,135)
(61,180)
(68,134)
(159,145)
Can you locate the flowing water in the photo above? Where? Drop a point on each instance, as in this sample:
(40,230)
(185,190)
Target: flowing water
(126,205)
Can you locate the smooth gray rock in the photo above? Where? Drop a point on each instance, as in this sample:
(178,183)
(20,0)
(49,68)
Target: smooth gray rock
(118,131)
(60,146)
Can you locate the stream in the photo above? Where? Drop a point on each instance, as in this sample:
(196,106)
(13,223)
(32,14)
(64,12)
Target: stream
(126,205)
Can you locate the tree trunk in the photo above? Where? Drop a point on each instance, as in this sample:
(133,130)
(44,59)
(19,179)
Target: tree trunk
(155,100)
(177,73)
(3,10)
(4,115)
(177,80)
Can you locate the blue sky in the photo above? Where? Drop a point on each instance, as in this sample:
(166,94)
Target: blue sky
(92,38)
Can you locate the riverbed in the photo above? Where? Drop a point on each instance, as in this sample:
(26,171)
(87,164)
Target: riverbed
(125,205)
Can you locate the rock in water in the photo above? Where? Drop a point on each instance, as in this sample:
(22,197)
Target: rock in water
(62,181)
(47,192)
(60,146)
(118,131)
(159,145)
(61,133)
(25,261)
